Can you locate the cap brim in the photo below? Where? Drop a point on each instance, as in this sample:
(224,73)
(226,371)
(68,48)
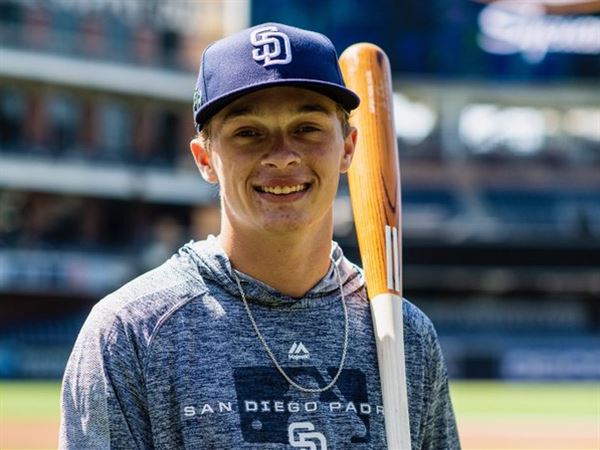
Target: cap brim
(339,94)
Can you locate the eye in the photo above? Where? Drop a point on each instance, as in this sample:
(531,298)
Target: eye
(308,128)
(246,133)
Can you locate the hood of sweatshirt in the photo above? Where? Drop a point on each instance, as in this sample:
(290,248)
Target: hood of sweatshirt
(214,266)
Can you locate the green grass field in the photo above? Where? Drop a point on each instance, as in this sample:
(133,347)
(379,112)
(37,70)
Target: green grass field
(557,400)
(490,415)
(29,400)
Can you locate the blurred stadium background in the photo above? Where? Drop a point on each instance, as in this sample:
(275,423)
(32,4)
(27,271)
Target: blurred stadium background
(498,122)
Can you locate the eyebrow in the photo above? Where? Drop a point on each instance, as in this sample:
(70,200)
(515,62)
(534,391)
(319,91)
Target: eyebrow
(313,107)
(253,111)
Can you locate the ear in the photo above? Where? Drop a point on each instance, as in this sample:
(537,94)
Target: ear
(349,147)
(203,161)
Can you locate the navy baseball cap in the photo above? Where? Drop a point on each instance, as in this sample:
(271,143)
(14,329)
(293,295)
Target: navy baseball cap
(267,55)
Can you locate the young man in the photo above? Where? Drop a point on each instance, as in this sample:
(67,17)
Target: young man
(261,337)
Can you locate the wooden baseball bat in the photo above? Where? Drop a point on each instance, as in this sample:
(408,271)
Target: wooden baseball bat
(374,182)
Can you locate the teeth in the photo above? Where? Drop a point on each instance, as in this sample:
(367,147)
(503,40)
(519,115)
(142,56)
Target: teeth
(278,190)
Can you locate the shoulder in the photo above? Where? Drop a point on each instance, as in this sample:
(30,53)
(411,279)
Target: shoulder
(420,336)
(417,325)
(136,309)
(417,321)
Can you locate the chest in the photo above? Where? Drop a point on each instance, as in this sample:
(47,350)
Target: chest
(215,383)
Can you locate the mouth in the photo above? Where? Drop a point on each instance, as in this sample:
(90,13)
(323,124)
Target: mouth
(283,190)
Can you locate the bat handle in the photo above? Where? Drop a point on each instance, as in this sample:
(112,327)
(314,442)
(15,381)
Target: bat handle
(386,310)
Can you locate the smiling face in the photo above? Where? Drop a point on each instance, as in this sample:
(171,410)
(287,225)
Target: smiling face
(277,155)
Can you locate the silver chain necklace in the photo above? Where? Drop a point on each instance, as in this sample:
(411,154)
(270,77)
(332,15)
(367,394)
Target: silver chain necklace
(272,356)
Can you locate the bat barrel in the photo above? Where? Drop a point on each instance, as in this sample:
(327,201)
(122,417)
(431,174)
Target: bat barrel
(374,178)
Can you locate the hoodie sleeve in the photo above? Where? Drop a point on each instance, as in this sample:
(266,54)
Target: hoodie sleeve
(439,431)
(102,398)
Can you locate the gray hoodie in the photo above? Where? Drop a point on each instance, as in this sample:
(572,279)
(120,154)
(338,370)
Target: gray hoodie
(171,361)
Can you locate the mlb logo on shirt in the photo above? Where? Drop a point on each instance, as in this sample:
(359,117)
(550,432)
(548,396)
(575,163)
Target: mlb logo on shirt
(272,412)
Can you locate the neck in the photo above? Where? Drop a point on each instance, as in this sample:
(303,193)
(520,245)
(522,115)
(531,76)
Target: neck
(292,263)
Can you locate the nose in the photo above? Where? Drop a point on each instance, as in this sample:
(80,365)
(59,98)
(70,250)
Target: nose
(280,154)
